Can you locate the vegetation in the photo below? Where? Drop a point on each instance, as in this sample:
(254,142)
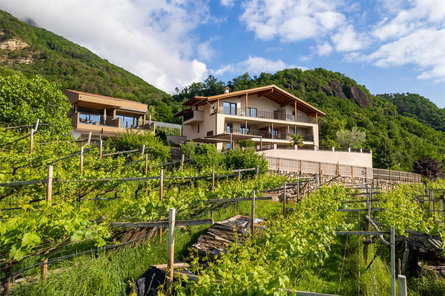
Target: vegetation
(297,140)
(429,168)
(351,138)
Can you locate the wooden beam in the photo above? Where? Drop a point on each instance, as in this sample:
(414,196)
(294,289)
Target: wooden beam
(217,106)
(295,110)
(246,103)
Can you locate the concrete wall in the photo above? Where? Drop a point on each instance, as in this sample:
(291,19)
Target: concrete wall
(343,158)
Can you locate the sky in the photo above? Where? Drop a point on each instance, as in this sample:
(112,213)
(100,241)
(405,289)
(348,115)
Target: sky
(387,45)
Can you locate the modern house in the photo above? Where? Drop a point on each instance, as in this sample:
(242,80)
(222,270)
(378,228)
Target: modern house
(269,116)
(104,116)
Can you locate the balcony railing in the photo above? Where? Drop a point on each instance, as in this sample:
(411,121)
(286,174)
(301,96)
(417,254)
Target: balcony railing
(100,120)
(271,135)
(262,114)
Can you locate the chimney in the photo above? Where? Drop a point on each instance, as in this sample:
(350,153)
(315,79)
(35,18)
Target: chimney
(226,90)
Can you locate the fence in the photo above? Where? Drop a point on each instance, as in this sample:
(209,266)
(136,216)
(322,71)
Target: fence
(330,169)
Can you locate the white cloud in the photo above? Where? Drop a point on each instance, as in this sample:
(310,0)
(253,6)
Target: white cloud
(291,20)
(413,35)
(152,39)
(347,39)
(227,3)
(205,50)
(324,49)
(254,65)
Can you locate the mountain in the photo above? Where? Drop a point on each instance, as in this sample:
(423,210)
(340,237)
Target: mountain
(35,51)
(400,129)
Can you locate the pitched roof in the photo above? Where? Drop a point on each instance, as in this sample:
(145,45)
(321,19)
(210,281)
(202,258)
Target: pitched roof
(271,92)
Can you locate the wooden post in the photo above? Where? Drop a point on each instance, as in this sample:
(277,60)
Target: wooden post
(89,138)
(211,217)
(171,250)
(257,171)
(81,160)
(32,141)
(434,205)
(378,175)
(36,126)
(403,290)
(143,150)
(239,175)
(299,172)
(352,172)
(100,149)
(389,175)
(182,160)
(319,172)
(284,199)
(49,194)
(400,176)
(337,169)
(393,261)
(278,165)
(298,189)
(252,216)
(49,191)
(213,179)
(146,164)
(161,185)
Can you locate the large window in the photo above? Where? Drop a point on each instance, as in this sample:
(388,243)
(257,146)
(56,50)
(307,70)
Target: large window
(89,117)
(244,130)
(229,108)
(251,112)
(229,128)
(128,121)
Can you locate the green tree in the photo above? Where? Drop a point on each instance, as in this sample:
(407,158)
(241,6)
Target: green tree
(351,138)
(23,101)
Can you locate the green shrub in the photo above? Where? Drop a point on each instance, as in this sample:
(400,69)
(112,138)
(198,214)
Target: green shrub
(246,143)
(238,159)
(206,156)
(134,140)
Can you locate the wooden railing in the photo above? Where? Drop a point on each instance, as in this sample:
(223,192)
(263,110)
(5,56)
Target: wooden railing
(330,169)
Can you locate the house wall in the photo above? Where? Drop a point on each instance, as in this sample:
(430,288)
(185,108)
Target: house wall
(344,158)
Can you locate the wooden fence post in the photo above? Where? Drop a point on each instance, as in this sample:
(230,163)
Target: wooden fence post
(81,160)
(36,126)
(213,179)
(403,290)
(400,176)
(89,138)
(298,189)
(146,164)
(252,216)
(32,141)
(337,169)
(378,175)
(161,185)
(100,148)
(352,172)
(171,250)
(257,171)
(389,175)
(284,199)
(319,170)
(278,165)
(239,175)
(182,160)
(143,150)
(49,194)
(299,172)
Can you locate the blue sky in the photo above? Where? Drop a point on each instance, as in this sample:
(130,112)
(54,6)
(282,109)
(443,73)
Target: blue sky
(386,45)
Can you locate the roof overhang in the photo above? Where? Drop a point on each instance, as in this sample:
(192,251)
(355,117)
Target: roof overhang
(272,92)
(225,137)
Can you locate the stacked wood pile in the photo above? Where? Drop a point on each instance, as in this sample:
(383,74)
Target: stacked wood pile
(232,230)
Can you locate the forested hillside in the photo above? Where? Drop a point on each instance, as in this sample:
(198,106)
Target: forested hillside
(398,130)
(30,50)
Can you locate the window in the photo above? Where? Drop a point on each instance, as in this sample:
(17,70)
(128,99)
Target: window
(293,115)
(198,128)
(229,128)
(228,146)
(89,117)
(251,112)
(128,121)
(229,108)
(244,130)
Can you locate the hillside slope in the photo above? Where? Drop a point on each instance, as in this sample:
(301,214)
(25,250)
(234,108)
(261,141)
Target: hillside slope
(36,51)
(397,141)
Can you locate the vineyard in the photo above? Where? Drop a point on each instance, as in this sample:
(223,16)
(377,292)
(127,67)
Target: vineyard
(72,220)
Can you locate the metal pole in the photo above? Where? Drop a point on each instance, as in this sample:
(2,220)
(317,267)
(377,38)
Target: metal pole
(81,160)
(393,261)
(161,185)
(171,250)
(284,200)
(252,218)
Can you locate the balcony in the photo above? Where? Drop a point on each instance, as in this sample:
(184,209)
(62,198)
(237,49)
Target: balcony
(193,117)
(269,135)
(256,113)
(89,122)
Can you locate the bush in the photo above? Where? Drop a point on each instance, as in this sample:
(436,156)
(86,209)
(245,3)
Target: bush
(429,168)
(207,156)
(246,143)
(238,159)
(134,140)
(23,101)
